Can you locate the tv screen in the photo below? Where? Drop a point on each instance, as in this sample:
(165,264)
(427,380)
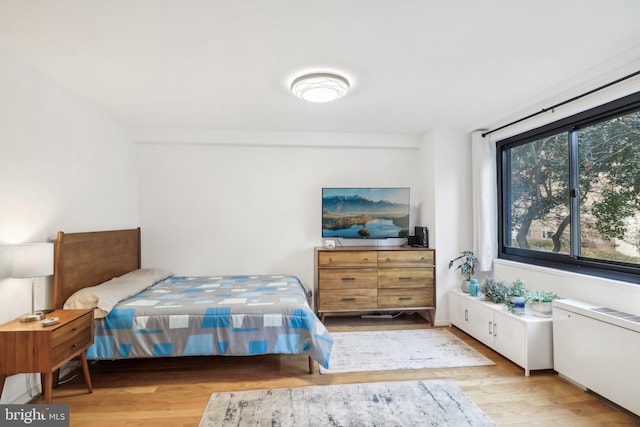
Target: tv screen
(374,213)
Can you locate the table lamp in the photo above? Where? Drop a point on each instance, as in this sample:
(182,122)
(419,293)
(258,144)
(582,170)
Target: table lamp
(31,260)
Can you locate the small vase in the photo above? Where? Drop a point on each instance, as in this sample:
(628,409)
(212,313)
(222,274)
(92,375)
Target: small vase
(541,309)
(465,286)
(474,287)
(518,305)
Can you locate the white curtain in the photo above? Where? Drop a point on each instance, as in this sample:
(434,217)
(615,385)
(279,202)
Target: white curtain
(485,210)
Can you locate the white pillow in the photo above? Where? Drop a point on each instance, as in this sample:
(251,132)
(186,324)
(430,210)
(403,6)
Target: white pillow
(105,296)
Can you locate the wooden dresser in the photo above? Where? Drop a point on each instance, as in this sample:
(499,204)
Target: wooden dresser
(32,347)
(363,279)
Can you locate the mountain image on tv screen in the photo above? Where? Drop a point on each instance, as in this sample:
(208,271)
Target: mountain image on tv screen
(374,213)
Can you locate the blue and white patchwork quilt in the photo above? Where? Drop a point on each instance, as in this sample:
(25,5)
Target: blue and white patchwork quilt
(224,315)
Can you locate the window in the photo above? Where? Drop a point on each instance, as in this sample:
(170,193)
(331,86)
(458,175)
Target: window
(569,193)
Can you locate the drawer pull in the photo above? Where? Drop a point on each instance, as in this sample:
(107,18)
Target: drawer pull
(405,298)
(365,260)
(348,299)
(74,346)
(406,278)
(388,259)
(74,329)
(348,279)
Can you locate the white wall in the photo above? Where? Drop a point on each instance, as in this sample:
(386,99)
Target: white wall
(249,202)
(450,150)
(252,206)
(65,166)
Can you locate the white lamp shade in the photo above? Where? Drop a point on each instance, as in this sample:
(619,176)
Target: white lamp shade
(32,260)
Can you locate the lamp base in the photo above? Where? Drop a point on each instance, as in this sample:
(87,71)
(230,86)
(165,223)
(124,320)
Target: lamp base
(31,317)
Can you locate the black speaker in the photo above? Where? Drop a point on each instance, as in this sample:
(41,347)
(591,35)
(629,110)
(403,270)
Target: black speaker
(421,237)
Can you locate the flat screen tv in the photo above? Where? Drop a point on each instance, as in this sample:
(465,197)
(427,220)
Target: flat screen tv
(365,213)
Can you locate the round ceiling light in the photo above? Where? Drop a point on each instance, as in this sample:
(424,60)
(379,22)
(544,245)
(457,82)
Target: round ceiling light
(320,87)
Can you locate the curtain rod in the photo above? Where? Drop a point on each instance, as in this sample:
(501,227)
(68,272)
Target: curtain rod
(575,98)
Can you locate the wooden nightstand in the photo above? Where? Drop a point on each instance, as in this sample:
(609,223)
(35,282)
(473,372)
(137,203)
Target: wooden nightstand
(31,347)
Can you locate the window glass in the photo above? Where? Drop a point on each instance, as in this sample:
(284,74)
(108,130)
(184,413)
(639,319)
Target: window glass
(609,171)
(539,190)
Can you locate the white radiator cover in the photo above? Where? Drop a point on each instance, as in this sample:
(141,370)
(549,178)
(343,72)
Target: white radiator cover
(599,351)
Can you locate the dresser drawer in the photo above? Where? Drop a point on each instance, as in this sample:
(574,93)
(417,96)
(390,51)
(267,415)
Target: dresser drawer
(70,338)
(400,298)
(348,259)
(405,277)
(347,300)
(344,278)
(405,258)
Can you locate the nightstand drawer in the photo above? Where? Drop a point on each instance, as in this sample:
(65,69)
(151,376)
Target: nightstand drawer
(70,338)
(344,278)
(399,298)
(351,299)
(405,277)
(348,259)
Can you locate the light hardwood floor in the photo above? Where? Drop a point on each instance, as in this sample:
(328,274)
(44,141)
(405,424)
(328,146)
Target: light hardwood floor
(174,392)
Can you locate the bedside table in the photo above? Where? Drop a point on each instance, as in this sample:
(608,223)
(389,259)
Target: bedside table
(32,347)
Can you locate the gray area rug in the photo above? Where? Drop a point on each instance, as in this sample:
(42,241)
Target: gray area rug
(404,349)
(402,403)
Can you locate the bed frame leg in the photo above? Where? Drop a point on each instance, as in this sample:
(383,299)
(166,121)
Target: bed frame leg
(310,365)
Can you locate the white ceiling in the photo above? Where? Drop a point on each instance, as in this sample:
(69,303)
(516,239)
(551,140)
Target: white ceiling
(413,64)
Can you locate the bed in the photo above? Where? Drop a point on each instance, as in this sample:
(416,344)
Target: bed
(149,312)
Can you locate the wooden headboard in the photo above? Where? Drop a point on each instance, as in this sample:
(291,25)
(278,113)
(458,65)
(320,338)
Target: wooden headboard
(88,259)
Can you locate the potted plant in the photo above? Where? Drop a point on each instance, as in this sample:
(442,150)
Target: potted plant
(494,290)
(467,266)
(541,302)
(516,297)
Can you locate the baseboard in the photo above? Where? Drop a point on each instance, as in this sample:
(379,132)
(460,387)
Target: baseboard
(425,316)
(567,379)
(21,389)
(27,397)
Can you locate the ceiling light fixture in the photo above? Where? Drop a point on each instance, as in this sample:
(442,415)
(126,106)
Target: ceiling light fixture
(320,87)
